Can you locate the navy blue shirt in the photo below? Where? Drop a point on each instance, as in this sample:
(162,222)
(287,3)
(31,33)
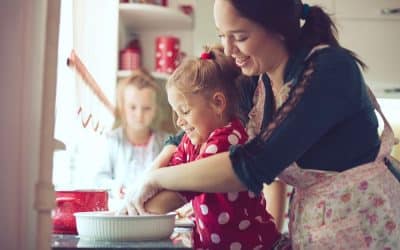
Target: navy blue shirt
(332,127)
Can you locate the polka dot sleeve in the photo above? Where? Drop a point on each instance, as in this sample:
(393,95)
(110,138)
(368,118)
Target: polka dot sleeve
(183,154)
(222,139)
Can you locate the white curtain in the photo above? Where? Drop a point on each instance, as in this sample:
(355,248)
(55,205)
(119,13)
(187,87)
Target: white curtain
(90,28)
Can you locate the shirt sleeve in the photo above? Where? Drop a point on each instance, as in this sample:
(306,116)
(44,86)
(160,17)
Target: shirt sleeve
(104,176)
(330,96)
(216,144)
(220,141)
(180,157)
(174,139)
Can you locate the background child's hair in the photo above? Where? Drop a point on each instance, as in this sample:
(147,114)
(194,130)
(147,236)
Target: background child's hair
(206,76)
(140,79)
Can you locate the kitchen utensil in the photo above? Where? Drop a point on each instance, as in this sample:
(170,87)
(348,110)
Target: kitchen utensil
(111,227)
(70,201)
(168,55)
(130,57)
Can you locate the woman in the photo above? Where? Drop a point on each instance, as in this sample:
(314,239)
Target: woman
(313,126)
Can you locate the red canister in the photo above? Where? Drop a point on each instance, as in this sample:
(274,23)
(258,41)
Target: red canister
(130,57)
(167,54)
(69,202)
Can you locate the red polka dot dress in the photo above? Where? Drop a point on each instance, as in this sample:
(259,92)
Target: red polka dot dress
(233,221)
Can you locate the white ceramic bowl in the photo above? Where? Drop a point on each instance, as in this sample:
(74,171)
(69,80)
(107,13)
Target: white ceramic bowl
(107,226)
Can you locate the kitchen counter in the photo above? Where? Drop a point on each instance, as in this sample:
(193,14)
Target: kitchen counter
(180,239)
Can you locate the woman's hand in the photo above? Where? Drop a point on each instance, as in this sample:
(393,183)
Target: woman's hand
(135,198)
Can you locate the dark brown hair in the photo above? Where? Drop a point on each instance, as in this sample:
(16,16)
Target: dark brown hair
(206,76)
(283,17)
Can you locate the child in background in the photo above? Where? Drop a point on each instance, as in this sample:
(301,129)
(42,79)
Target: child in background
(133,144)
(203,98)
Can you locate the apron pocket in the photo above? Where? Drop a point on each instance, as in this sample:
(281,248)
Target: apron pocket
(343,234)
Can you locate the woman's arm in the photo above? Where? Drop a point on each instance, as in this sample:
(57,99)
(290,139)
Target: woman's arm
(211,174)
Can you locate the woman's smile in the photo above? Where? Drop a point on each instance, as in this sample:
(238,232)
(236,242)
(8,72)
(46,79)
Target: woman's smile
(242,61)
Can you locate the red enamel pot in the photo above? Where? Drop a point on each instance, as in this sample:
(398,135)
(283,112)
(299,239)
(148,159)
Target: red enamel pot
(72,201)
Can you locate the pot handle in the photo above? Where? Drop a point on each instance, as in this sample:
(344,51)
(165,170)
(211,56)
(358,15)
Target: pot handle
(60,200)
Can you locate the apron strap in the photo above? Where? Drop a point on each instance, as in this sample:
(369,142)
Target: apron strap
(388,139)
(315,49)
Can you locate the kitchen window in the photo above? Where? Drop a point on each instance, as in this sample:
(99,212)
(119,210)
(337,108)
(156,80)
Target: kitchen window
(80,116)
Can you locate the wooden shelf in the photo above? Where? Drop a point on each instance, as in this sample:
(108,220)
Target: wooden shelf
(137,17)
(157,75)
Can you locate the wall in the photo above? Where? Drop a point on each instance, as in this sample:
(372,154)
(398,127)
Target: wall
(23,25)
(205,32)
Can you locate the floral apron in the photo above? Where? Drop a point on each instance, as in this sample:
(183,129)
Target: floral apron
(355,209)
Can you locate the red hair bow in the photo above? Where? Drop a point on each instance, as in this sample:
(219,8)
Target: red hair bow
(205,55)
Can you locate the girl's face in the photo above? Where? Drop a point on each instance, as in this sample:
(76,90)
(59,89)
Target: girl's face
(195,114)
(139,107)
(255,50)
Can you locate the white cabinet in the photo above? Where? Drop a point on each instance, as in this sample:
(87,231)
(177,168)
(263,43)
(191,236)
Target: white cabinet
(368,9)
(148,22)
(370,28)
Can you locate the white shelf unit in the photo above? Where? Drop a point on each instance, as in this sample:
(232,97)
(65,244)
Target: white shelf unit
(157,75)
(148,22)
(138,17)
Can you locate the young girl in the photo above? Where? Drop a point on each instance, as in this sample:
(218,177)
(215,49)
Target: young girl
(133,144)
(201,94)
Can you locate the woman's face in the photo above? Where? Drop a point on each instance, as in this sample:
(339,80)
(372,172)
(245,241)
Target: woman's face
(195,115)
(254,49)
(139,107)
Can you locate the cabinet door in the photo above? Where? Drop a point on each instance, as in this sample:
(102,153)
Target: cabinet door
(373,32)
(362,9)
(377,44)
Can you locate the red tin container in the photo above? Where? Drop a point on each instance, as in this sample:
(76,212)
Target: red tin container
(69,202)
(130,57)
(167,54)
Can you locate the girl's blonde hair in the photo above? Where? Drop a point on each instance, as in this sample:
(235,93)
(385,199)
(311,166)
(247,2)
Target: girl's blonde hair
(214,71)
(140,79)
